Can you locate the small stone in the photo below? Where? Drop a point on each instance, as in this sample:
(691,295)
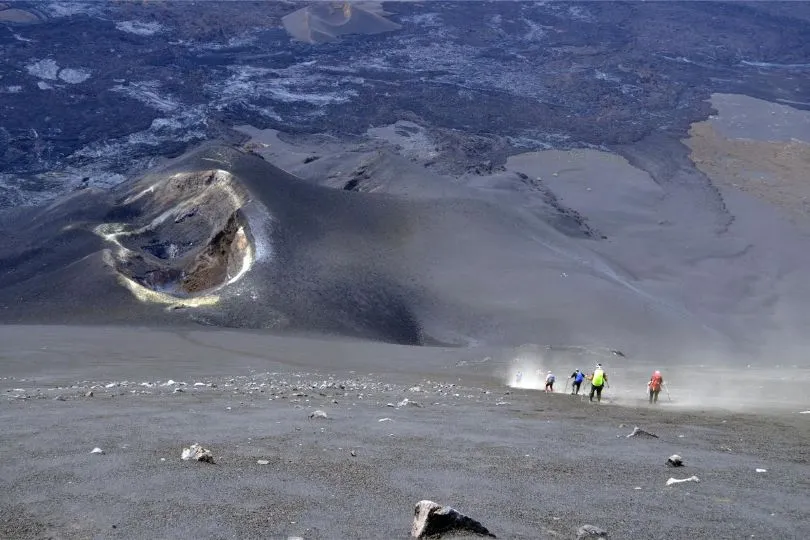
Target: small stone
(353,453)
(384,420)
(433,519)
(89,394)
(675,461)
(178,390)
(96,450)
(262,462)
(591,531)
(197,453)
(318,414)
(407,402)
(59,398)
(673,481)
(762,470)
(638,432)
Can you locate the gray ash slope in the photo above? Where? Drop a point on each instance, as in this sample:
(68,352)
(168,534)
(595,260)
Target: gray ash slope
(225,238)
(98,90)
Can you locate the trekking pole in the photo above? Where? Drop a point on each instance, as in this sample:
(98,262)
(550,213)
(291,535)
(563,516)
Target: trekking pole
(566,387)
(667,389)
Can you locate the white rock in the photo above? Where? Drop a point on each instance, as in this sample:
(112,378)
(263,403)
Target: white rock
(762,470)
(111,385)
(384,420)
(262,462)
(197,453)
(96,450)
(675,461)
(199,384)
(673,481)
(318,414)
(170,382)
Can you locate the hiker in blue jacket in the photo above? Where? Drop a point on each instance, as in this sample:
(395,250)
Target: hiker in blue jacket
(578,377)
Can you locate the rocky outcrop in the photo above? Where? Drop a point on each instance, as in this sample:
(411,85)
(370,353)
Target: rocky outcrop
(434,520)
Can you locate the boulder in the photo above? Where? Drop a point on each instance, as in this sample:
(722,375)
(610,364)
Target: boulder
(433,520)
(675,461)
(591,531)
(318,415)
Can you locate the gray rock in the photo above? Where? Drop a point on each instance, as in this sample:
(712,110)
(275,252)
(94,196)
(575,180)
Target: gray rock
(591,531)
(318,414)
(432,520)
(675,461)
(638,432)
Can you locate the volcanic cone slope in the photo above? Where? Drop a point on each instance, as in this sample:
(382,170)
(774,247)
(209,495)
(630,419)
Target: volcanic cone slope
(224,238)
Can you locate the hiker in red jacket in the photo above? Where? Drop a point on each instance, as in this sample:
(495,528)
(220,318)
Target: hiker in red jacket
(654,386)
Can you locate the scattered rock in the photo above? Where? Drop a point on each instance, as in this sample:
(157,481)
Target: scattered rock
(384,420)
(591,531)
(318,414)
(673,481)
(197,453)
(433,519)
(59,398)
(405,402)
(96,450)
(675,461)
(762,470)
(262,462)
(638,432)
(178,390)
(89,394)
(353,453)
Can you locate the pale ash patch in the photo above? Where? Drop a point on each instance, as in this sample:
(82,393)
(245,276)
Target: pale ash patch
(139,28)
(42,85)
(147,92)
(68,9)
(43,69)
(74,76)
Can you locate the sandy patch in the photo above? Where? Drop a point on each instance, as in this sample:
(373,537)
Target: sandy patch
(758,147)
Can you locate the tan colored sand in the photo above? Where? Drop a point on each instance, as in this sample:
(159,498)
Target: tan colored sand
(775,171)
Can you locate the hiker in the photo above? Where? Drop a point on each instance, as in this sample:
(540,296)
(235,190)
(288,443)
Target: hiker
(578,377)
(598,381)
(654,386)
(550,378)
